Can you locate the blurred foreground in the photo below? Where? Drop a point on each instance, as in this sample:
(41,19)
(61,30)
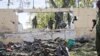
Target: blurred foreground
(82,46)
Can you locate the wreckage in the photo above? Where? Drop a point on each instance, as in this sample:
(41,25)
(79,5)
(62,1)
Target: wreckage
(57,47)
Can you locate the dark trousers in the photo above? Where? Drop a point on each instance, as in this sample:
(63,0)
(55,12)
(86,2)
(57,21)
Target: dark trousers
(98,39)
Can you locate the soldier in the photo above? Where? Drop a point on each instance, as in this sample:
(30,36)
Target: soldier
(97,23)
(98,29)
(50,23)
(57,20)
(69,20)
(34,22)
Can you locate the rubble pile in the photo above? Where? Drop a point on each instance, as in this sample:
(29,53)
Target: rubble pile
(84,47)
(37,48)
(77,47)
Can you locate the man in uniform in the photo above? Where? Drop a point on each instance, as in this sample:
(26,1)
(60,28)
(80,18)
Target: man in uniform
(34,22)
(50,23)
(69,20)
(58,19)
(98,29)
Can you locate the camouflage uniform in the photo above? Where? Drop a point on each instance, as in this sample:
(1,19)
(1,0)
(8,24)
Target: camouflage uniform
(98,34)
(50,24)
(34,22)
(69,20)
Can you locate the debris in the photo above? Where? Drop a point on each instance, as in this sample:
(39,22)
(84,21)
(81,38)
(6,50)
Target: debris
(84,48)
(71,43)
(57,47)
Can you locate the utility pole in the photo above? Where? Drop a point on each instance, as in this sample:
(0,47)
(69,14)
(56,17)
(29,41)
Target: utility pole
(8,3)
(21,4)
(33,4)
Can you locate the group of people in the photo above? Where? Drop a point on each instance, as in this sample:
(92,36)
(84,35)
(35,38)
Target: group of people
(58,21)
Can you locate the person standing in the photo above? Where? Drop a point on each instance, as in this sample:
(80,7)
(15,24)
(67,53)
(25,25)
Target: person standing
(58,19)
(97,24)
(69,20)
(98,29)
(50,23)
(34,22)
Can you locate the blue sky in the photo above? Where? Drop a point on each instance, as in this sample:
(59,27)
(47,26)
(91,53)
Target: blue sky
(23,17)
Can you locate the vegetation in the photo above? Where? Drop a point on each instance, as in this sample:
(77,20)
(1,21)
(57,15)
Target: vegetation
(44,17)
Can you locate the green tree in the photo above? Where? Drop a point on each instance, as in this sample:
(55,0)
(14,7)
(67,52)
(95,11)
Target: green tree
(43,19)
(72,3)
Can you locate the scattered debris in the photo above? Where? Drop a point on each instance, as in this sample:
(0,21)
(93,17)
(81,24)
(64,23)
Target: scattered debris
(57,47)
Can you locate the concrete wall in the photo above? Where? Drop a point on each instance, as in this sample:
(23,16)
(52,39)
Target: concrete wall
(84,23)
(8,21)
(82,26)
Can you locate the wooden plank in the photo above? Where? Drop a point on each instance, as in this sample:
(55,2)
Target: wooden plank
(43,10)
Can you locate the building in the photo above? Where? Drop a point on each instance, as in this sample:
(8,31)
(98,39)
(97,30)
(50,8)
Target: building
(8,21)
(84,23)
